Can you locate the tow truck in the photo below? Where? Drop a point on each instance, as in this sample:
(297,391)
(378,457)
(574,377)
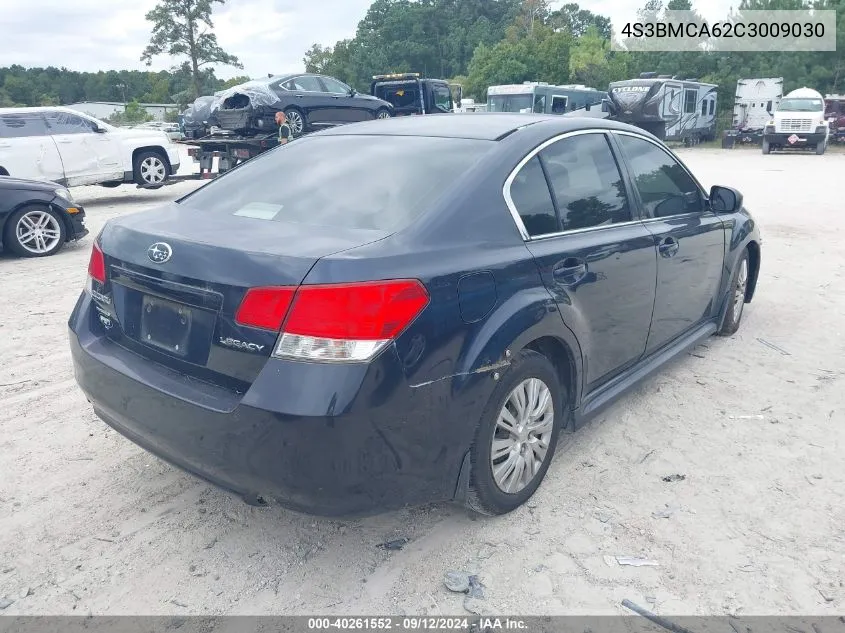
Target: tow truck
(230,150)
(410,94)
(413,94)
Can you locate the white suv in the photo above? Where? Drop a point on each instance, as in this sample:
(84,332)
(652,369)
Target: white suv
(72,149)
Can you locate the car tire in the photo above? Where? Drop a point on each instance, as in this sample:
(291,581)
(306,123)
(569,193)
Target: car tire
(532,376)
(820,147)
(382,113)
(766,147)
(111,185)
(52,236)
(150,169)
(297,121)
(736,296)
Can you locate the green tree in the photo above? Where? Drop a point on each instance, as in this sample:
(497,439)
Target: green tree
(133,114)
(234,81)
(182,28)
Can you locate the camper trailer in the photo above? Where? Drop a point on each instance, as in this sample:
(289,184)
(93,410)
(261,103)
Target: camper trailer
(542,98)
(670,108)
(754,103)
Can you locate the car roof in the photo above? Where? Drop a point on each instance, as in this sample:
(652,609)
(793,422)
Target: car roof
(37,109)
(488,126)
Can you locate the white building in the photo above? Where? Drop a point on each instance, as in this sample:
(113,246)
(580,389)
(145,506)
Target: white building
(105,109)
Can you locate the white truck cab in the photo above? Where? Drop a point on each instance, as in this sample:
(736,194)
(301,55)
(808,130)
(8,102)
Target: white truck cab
(73,149)
(798,123)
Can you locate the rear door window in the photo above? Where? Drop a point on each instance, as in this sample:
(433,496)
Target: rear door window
(352,181)
(586,182)
(22,125)
(309,84)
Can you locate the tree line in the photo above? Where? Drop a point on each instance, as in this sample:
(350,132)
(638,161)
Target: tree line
(476,43)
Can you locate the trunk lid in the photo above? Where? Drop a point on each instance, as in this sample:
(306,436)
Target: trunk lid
(181,312)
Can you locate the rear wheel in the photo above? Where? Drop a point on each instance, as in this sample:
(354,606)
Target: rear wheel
(296,121)
(766,148)
(517,435)
(739,288)
(150,169)
(820,147)
(35,232)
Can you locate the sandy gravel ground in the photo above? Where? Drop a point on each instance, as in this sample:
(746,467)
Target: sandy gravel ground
(91,524)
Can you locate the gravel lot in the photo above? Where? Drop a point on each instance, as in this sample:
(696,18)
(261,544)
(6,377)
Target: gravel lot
(89,523)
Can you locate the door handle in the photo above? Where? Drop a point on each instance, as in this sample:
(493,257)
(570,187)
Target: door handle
(668,246)
(570,270)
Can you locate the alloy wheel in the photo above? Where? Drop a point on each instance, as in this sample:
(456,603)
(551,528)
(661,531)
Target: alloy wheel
(522,436)
(295,122)
(153,170)
(384,114)
(38,232)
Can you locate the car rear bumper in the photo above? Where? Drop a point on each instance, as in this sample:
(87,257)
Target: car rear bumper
(387,445)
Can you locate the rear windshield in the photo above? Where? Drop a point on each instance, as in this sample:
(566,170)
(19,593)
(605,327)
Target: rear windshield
(360,182)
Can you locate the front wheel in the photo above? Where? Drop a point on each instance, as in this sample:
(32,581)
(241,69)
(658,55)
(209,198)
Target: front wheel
(383,114)
(766,147)
(739,289)
(516,437)
(35,232)
(820,147)
(151,169)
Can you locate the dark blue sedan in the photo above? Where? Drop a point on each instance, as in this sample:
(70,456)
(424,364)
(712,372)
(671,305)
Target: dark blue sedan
(405,311)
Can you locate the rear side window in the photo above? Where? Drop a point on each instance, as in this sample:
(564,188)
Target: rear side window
(559,105)
(586,182)
(356,181)
(22,125)
(533,200)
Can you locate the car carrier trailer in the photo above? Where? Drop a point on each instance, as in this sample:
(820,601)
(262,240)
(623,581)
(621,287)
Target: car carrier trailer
(229,150)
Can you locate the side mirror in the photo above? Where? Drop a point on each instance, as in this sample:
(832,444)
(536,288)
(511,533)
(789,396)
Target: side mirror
(96,128)
(605,105)
(725,199)
(352,92)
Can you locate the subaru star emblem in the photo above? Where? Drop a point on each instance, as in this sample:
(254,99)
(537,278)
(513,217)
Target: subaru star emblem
(159,252)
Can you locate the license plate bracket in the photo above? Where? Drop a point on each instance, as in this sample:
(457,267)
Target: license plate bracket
(166,325)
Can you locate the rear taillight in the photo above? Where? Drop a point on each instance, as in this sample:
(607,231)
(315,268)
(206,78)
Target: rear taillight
(265,307)
(97,264)
(344,322)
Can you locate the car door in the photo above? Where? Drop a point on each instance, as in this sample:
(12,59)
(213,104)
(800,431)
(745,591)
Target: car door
(596,258)
(26,148)
(74,138)
(690,238)
(310,97)
(345,108)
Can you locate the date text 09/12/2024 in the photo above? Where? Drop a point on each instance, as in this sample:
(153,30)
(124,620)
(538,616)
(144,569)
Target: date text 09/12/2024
(416,624)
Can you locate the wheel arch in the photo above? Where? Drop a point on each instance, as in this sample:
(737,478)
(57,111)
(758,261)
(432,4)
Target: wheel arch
(528,320)
(4,221)
(754,265)
(4,171)
(158,149)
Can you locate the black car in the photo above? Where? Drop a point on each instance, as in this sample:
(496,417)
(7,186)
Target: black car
(309,101)
(38,217)
(422,329)
(194,121)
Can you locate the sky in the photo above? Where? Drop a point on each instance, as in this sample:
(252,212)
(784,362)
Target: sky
(269,36)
